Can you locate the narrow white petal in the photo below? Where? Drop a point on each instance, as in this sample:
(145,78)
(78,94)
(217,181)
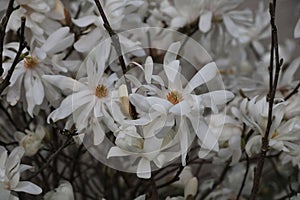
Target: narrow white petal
(207,73)
(116,152)
(28,187)
(205,21)
(144,169)
(64,82)
(148,69)
(297,30)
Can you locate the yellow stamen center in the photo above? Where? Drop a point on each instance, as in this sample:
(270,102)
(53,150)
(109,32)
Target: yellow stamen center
(174,97)
(275,134)
(101,91)
(30,62)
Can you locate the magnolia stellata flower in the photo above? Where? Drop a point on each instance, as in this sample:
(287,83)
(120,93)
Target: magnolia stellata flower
(216,12)
(41,16)
(26,82)
(177,103)
(10,169)
(146,149)
(93,100)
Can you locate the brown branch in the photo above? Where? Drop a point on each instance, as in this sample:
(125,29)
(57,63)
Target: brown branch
(265,140)
(245,177)
(22,46)
(4,21)
(116,43)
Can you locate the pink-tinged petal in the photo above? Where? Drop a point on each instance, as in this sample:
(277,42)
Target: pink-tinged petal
(144,169)
(116,152)
(64,83)
(231,27)
(297,30)
(205,21)
(28,187)
(206,73)
(148,69)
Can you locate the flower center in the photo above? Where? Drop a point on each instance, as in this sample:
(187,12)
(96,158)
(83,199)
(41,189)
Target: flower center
(275,134)
(174,97)
(30,62)
(101,91)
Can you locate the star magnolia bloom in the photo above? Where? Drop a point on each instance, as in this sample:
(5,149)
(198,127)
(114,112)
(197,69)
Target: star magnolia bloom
(178,103)
(216,11)
(93,98)
(31,141)
(63,192)
(40,16)
(27,76)
(283,138)
(10,169)
(146,149)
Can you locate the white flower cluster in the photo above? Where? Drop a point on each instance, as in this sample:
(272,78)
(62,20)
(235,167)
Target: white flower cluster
(146,86)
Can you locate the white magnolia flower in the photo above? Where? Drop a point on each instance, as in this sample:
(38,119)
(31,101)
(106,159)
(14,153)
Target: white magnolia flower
(254,113)
(40,16)
(63,192)
(26,82)
(181,13)
(146,149)
(178,103)
(258,31)
(31,141)
(10,169)
(116,11)
(93,98)
(216,12)
(297,30)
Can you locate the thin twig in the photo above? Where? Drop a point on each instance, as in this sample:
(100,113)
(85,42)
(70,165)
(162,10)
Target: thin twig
(265,140)
(56,153)
(22,46)
(245,177)
(218,182)
(295,91)
(116,43)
